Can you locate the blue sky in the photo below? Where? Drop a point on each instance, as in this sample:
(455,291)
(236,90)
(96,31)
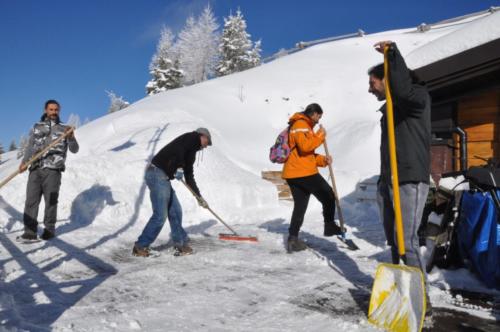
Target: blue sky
(73,51)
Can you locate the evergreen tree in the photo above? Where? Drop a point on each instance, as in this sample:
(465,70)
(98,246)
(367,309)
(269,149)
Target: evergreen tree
(116,103)
(23,143)
(236,52)
(73,120)
(198,47)
(1,152)
(164,67)
(12,146)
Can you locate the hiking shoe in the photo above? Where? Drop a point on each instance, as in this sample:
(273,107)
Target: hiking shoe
(27,238)
(331,229)
(140,252)
(183,250)
(294,244)
(47,235)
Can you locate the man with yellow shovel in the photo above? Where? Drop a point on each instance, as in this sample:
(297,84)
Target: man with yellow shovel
(410,105)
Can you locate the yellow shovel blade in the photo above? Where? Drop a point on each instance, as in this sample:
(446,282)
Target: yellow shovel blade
(398,298)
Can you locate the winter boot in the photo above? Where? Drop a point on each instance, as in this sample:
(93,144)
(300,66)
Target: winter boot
(294,244)
(47,235)
(27,238)
(331,229)
(183,250)
(140,252)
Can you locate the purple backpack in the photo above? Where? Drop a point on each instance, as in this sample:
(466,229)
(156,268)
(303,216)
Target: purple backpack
(280,151)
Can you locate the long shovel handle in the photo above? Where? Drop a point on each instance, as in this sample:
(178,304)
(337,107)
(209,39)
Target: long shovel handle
(393,157)
(334,186)
(37,156)
(209,209)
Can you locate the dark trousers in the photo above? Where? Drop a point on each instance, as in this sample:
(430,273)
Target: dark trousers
(302,188)
(41,182)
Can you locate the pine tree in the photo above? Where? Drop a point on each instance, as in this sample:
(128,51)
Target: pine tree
(1,152)
(164,67)
(116,103)
(235,47)
(198,47)
(23,143)
(12,146)
(74,120)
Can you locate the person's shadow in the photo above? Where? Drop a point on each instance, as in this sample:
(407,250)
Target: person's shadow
(333,253)
(87,206)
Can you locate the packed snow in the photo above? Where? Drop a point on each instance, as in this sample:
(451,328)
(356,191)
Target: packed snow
(87,280)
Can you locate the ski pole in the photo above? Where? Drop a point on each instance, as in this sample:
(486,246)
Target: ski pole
(37,156)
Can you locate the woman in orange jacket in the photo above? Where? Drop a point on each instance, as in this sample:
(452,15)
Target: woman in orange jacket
(302,175)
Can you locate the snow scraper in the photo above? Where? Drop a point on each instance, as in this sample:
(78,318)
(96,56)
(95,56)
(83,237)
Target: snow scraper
(233,236)
(350,243)
(37,156)
(398,300)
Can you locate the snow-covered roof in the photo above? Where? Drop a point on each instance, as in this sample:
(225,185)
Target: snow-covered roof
(471,35)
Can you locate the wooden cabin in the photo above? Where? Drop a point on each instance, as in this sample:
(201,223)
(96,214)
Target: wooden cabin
(465,91)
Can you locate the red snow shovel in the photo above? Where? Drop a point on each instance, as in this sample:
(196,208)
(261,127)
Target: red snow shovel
(37,156)
(233,236)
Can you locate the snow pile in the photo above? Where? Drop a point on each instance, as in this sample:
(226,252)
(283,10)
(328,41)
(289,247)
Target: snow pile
(86,279)
(468,36)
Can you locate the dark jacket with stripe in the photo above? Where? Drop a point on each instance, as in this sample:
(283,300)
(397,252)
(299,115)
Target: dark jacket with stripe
(412,121)
(180,153)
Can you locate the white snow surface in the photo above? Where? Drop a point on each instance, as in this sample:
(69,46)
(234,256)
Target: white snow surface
(469,35)
(86,278)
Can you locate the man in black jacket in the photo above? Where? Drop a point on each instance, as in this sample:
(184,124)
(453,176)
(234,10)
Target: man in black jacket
(412,119)
(175,160)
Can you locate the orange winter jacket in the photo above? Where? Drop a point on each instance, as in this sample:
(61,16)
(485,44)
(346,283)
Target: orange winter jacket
(303,141)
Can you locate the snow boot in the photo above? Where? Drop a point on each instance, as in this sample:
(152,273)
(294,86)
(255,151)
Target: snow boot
(331,229)
(47,235)
(27,238)
(294,244)
(183,250)
(140,252)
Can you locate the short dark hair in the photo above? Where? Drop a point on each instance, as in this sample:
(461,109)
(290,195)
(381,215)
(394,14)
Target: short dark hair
(313,108)
(377,71)
(51,101)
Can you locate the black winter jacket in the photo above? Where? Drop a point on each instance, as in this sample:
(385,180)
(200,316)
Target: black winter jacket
(180,153)
(412,121)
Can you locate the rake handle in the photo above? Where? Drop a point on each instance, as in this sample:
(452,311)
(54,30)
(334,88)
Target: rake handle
(208,208)
(334,187)
(37,156)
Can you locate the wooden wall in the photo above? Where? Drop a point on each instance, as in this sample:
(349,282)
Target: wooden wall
(479,116)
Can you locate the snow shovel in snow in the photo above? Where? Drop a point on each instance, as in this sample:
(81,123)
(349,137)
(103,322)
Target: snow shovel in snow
(233,236)
(398,298)
(37,156)
(350,243)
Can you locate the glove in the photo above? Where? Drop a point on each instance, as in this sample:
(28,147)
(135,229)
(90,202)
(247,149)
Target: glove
(202,202)
(179,174)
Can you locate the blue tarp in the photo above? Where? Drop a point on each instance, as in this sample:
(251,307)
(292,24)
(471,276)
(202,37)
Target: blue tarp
(479,236)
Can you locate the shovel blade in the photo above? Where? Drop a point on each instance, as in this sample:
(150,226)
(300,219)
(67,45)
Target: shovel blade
(397,302)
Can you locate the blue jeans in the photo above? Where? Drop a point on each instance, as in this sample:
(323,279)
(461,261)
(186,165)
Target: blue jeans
(165,204)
